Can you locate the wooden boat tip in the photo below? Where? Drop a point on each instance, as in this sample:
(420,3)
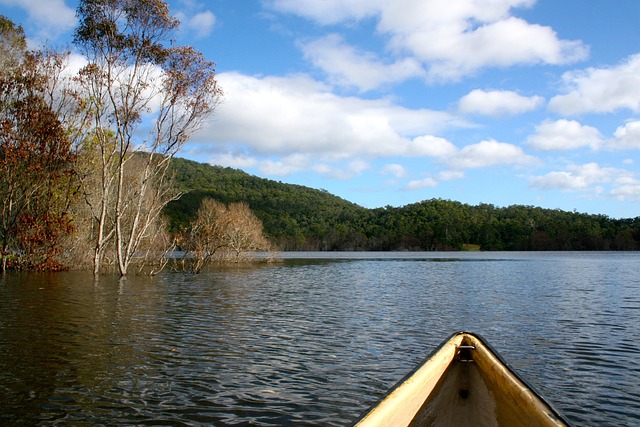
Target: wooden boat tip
(464,381)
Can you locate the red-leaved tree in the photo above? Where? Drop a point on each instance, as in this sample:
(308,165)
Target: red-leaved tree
(36,165)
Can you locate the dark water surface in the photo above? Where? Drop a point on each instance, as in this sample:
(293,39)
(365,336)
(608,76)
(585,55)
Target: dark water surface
(313,341)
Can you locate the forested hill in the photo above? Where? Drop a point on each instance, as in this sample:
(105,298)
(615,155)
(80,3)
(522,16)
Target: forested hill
(301,218)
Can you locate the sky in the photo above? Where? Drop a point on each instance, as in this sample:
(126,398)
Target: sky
(390,102)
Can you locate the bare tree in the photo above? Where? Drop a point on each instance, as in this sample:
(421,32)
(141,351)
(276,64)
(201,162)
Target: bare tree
(219,231)
(133,82)
(206,235)
(244,231)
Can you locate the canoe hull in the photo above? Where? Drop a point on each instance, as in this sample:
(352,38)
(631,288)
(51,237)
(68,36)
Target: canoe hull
(464,382)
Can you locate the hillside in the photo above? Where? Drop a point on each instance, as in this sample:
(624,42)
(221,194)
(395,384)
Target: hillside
(294,216)
(301,218)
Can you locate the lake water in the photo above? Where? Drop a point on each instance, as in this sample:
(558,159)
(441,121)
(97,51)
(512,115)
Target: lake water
(314,339)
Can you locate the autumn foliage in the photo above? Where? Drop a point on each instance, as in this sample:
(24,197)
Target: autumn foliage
(36,163)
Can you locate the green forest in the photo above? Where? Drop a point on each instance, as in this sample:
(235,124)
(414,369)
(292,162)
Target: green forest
(301,218)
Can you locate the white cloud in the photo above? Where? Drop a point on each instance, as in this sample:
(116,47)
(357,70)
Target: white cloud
(395,169)
(626,136)
(201,23)
(52,16)
(562,180)
(327,12)
(348,171)
(431,146)
(589,176)
(233,160)
(564,135)
(347,66)
(627,192)
(454,38)
(287,165)
(496,103)
(601,90)
(419,184)
(448,175)
(285,125)
(292,163)
(570,134)
(456,49)
(296,114)
(195,19)
(489,153)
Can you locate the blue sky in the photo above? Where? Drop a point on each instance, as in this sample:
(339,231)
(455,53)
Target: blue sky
(389,102)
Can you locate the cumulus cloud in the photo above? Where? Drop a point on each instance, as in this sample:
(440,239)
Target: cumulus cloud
(447,175)
(489,153)
(564,135)
(484,154)
(627,192)
(285,166)
(395,170)
(348,171)
(195,19)
(626,137)
(456,49)
(601,90)
(285,125)
(450,175)
(431,146)
(497,103)
(293,163)
(347,66)
(589,176)
(454,39)
(328,12)
(232,159)
(281,115)
(419,184)
(52,16)
(563,180)
(201,24)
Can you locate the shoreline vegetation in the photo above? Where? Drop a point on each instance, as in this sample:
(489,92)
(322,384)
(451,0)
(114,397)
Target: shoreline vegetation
(298,218)
(91,177)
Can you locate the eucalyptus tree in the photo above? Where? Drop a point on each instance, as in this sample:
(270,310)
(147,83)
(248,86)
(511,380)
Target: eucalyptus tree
(146,98)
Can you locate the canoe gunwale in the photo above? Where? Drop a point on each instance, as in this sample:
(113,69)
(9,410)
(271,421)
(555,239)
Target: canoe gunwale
(492,351)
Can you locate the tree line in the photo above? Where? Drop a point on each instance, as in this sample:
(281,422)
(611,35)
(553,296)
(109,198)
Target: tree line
(301,218)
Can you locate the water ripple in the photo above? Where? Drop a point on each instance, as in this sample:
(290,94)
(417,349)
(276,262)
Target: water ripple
(311,342)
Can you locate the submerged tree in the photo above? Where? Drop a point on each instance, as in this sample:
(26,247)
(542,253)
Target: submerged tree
(36,163)
(219,231)
(206,235)
(244,232)
(132,83)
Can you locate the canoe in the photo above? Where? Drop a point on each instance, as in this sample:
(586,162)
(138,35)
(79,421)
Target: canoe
(464,382)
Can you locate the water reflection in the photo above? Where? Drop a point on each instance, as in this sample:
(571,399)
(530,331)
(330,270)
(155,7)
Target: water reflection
(311,341)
